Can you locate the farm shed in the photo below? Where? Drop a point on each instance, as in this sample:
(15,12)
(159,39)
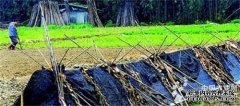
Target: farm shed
(78,13)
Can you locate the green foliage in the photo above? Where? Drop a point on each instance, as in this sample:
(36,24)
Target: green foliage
(143,24)
(235,21)
(109,23)
(170,23)
(33,37)
(196,103)
(148,11)
(71,26)
(210,22)
(15,9)
(186,11)
(199,22)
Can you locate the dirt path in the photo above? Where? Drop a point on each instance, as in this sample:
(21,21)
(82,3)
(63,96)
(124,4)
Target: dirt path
(16,67)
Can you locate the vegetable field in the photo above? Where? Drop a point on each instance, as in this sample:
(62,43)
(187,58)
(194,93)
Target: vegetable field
(85,35)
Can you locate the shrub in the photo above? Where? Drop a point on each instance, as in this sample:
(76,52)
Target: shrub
(199,22)
(210,22)
(170,23)
(109,23)
(235,21)
(143,24)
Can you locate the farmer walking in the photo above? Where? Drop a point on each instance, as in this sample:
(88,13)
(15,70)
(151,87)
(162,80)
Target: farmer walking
(13,35)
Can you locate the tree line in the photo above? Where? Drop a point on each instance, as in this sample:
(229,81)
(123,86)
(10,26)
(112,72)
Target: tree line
(127,12)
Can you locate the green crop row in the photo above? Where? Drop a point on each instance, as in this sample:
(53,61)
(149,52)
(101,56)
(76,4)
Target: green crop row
(86,35)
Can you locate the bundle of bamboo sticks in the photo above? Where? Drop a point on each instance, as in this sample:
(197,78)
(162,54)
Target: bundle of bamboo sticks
(51,14)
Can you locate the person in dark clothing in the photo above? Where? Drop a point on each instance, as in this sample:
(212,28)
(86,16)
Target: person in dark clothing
(13,35)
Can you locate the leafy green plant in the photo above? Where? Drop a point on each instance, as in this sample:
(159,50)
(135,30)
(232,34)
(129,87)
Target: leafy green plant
(84,34)
(170,23)
(143,24)
(109,23)
(235,21)
(199,22)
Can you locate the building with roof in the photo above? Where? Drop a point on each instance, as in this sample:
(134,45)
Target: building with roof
(78,13)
